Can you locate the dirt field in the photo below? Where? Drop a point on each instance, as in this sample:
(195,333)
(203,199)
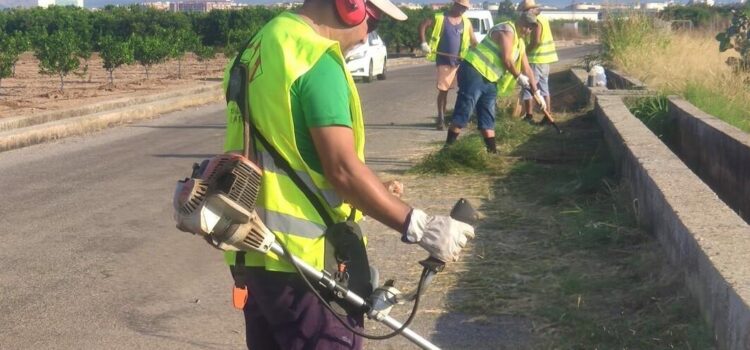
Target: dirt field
(30,92)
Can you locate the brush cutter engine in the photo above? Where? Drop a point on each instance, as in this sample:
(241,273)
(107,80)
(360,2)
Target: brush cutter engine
(218,203)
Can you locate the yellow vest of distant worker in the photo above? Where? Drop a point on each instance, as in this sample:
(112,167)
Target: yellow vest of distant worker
(486,58)
(437,32)
(545,52)
(283,50)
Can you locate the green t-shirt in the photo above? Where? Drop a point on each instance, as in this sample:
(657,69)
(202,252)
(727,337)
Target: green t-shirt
(319,98)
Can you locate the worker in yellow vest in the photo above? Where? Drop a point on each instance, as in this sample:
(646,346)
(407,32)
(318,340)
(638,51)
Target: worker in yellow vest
(491,69)
(307,134)
(452,36)
(540,50)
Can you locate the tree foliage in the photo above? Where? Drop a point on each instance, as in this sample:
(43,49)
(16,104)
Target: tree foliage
(700,15)
(58,54)
(736,37)
(405,34)
(182,41)
(203,54)
(153,35)
(10,49)
(115,53)
(150,50)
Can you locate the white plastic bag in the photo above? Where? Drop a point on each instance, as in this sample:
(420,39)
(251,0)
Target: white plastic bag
(597,76)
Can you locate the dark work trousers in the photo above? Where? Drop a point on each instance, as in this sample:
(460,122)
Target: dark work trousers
(281,313)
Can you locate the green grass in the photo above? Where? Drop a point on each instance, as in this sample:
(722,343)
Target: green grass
(560,245)
(620,34)
(734,111)
(637,45)
(654,113)
(468,154)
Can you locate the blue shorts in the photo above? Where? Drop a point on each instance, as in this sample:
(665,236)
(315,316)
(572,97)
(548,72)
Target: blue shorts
(474,93)
(541,73)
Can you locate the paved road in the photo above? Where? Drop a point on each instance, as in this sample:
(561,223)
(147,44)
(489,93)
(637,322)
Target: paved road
(90,255)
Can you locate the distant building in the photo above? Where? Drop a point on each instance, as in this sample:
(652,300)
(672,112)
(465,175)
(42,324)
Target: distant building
(78,3)
(159,5)
(410,5)
(200,6)
(701,2)
(584,7)
(569,15)
(439,6)
(492,6)
(45,3)
(655,6)
(287,5)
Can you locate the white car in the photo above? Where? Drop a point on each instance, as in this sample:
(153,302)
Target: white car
(482,21)
(368,60)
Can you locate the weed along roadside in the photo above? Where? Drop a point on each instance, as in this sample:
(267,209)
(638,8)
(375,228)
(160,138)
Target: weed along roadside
(559,250)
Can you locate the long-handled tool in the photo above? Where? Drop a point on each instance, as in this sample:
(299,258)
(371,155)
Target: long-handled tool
(218,203)
(545,111)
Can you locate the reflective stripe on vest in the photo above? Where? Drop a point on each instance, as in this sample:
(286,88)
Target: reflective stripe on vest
(437,32)
(283,50)
(545,52)
(266,162)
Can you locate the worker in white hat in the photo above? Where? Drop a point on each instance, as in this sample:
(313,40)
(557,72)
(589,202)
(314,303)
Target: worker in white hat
(541,52)
(452,36)
(307,134)
(490,69)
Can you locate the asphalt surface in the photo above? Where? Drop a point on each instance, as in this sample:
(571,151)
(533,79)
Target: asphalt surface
(89,253)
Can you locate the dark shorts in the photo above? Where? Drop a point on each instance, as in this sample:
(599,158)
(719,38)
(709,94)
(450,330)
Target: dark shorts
(281,313)
(474,93)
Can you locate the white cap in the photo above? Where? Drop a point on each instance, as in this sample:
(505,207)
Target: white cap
(389,9)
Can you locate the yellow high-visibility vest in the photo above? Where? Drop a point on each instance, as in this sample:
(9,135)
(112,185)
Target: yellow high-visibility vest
(437,32)
(487,59)
(283,50)
(545,52)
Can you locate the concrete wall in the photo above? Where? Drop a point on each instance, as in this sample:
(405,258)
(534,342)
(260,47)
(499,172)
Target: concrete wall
(697,230)
(619,81)
(718,152)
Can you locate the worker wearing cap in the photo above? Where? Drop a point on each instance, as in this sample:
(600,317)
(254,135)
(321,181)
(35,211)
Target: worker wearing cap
(452,36)
(489,69)
(302,100)
(540,50)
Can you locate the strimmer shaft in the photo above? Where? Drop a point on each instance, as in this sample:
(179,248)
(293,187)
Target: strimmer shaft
(356,300)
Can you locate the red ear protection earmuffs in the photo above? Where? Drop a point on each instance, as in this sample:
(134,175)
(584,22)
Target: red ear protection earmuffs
(351,12)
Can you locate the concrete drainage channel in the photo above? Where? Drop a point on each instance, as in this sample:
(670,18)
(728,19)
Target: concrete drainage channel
(22,131)
(699,232)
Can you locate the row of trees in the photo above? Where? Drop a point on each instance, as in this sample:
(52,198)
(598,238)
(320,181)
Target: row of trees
(63,38)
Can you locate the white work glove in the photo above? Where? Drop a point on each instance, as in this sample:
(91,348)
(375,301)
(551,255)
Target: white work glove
(523,81)
(540,100)
(425,48)
(441,236)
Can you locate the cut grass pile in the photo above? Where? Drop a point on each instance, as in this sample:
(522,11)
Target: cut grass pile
(560,245)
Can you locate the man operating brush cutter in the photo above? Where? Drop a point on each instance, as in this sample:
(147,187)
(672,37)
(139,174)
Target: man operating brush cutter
(282,200)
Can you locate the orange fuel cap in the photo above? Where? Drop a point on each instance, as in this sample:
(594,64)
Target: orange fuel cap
(239,297)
